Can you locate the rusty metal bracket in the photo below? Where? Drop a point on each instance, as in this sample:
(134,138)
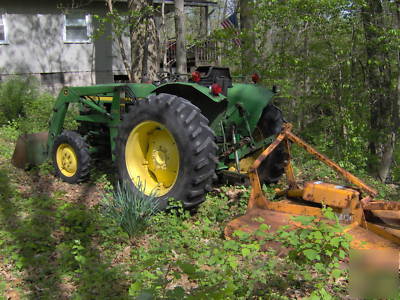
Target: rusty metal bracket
(257,199)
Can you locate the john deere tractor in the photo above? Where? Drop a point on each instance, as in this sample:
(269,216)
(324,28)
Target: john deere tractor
(169,139)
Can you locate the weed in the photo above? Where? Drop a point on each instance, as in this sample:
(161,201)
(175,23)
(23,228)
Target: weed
(46,168)
(316,247)
(130,210)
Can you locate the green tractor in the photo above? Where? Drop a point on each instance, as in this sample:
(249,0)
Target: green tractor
(170,139)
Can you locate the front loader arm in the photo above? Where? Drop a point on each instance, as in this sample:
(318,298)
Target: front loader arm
(70,95)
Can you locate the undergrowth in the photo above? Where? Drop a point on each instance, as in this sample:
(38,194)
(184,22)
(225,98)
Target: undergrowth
(56,247)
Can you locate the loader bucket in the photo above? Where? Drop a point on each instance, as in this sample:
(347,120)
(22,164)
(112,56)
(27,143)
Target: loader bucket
(373,224)
(30,150)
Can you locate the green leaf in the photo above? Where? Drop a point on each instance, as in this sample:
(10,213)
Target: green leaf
(310,254)
(187,268)
(304,220)
(307,276)
(319,267)
(177,293)
(246,252)
(231,244)
(134,288)
(329,214)
(336,273)
(233,263)
(264,227)
(335,241)
(318,235)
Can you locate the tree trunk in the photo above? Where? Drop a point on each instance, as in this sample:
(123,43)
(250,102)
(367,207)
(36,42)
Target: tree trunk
(143,42)
(120,43)
(203,22)
(382,120)
(248,41)
(150,61)
(162,38)
(181,64)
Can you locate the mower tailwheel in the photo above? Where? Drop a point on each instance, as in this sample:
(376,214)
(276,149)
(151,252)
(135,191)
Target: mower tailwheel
(166,149)
(71,157)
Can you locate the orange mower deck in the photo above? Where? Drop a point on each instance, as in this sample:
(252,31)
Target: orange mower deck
(372,224)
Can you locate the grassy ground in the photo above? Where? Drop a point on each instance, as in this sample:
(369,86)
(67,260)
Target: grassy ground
(55,243)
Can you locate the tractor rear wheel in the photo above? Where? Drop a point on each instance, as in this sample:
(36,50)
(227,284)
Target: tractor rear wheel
(273,167)
(165,148)
(71,157)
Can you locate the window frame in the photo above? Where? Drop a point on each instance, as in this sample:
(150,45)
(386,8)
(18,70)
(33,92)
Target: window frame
(4,20)
(88,20)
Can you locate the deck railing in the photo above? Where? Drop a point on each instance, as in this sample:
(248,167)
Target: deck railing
(198,54)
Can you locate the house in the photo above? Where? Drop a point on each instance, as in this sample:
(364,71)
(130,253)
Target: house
(41,39)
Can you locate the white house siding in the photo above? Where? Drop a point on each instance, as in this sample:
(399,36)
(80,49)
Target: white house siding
(35,45)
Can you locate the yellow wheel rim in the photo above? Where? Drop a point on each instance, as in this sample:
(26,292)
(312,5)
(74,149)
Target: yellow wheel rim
(152,158)
(67,161)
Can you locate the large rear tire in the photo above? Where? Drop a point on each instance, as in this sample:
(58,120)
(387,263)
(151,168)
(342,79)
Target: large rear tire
(273,167)
(164,147)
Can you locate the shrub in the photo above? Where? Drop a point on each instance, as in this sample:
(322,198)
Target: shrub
(316,247)
(37,114)
(130,210)
(22,104)
(16,94)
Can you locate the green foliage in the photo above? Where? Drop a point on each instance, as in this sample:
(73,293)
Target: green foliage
(15,95)
(221,269)
(315,52)
(8,134)
(9,131)
(37,114)
(122,20)
(196,264)
(24,109)
(396,166)
(316,245)
(130,209)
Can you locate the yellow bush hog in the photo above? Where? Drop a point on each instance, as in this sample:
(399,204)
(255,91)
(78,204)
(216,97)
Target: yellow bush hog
(372,224)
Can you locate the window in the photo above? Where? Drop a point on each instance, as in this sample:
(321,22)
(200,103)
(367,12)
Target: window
(3,29)
(121,79)
(51,79)
(77,27)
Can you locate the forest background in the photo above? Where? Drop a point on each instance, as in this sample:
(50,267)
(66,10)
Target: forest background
(337,64)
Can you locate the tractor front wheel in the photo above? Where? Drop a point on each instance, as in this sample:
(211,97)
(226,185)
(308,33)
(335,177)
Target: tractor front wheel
(71,157)
(165,148)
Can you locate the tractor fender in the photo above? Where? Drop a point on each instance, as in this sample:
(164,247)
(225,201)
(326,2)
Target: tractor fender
(253,98)
(141,90)
(210,105)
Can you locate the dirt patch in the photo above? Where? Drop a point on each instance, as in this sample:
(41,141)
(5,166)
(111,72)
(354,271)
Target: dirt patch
(31,184)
